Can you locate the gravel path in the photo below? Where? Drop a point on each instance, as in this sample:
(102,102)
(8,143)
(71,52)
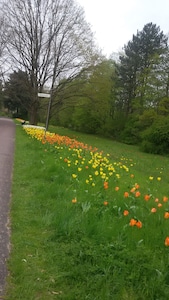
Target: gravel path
(7,140)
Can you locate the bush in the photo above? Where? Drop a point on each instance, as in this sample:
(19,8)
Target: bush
(131,133)
(156,138)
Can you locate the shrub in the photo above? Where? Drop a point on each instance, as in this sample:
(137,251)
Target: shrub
(130,134)
(156,138)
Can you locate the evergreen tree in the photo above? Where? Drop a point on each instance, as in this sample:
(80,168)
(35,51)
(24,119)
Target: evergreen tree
(140,55)
(17,94)
(138,82)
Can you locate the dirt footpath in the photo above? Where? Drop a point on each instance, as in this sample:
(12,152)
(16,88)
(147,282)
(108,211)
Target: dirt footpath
(7,139)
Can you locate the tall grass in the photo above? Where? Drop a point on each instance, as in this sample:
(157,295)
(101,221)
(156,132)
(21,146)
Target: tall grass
(71,237)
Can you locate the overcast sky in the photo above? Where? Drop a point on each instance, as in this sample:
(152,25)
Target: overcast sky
(115,21)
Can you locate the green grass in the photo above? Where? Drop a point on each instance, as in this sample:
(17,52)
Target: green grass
(86,250)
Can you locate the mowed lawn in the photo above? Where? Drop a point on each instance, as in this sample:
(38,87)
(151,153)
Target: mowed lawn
(89,219)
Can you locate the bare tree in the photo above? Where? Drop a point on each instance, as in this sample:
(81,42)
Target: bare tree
(3,51)
(49,40)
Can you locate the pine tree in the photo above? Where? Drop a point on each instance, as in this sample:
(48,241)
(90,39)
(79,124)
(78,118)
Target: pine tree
(136,65)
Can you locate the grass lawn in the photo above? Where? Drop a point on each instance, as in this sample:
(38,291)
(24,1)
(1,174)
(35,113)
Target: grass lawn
(85,223)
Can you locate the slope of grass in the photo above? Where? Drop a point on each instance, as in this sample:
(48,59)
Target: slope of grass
(70,237)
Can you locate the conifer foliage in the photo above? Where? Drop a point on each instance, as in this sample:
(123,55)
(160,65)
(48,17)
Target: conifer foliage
(140,56)
(142,82)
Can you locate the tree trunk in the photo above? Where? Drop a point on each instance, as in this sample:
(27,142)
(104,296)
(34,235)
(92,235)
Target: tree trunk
(33,116)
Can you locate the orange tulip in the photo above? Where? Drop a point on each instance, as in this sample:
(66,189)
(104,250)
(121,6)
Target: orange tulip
(165,199)
(139,224)
(126,194)
(133,190)
(166,215)
(137,194)
(167,241)
(146,197)
(159,205)
(116,188)
(105,203)
(153,210)
(132,222)
(74,200)
(125,212)
(106,185)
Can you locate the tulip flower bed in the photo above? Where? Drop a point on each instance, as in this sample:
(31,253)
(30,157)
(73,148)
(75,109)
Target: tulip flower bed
(90,227)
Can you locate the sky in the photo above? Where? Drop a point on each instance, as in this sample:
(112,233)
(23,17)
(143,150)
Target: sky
(115,21)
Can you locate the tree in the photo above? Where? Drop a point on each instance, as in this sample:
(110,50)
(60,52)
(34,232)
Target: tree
(49,40)
(88,107)
(17,94)
(140,56)
(3,58)
(98,91)
(138,78)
